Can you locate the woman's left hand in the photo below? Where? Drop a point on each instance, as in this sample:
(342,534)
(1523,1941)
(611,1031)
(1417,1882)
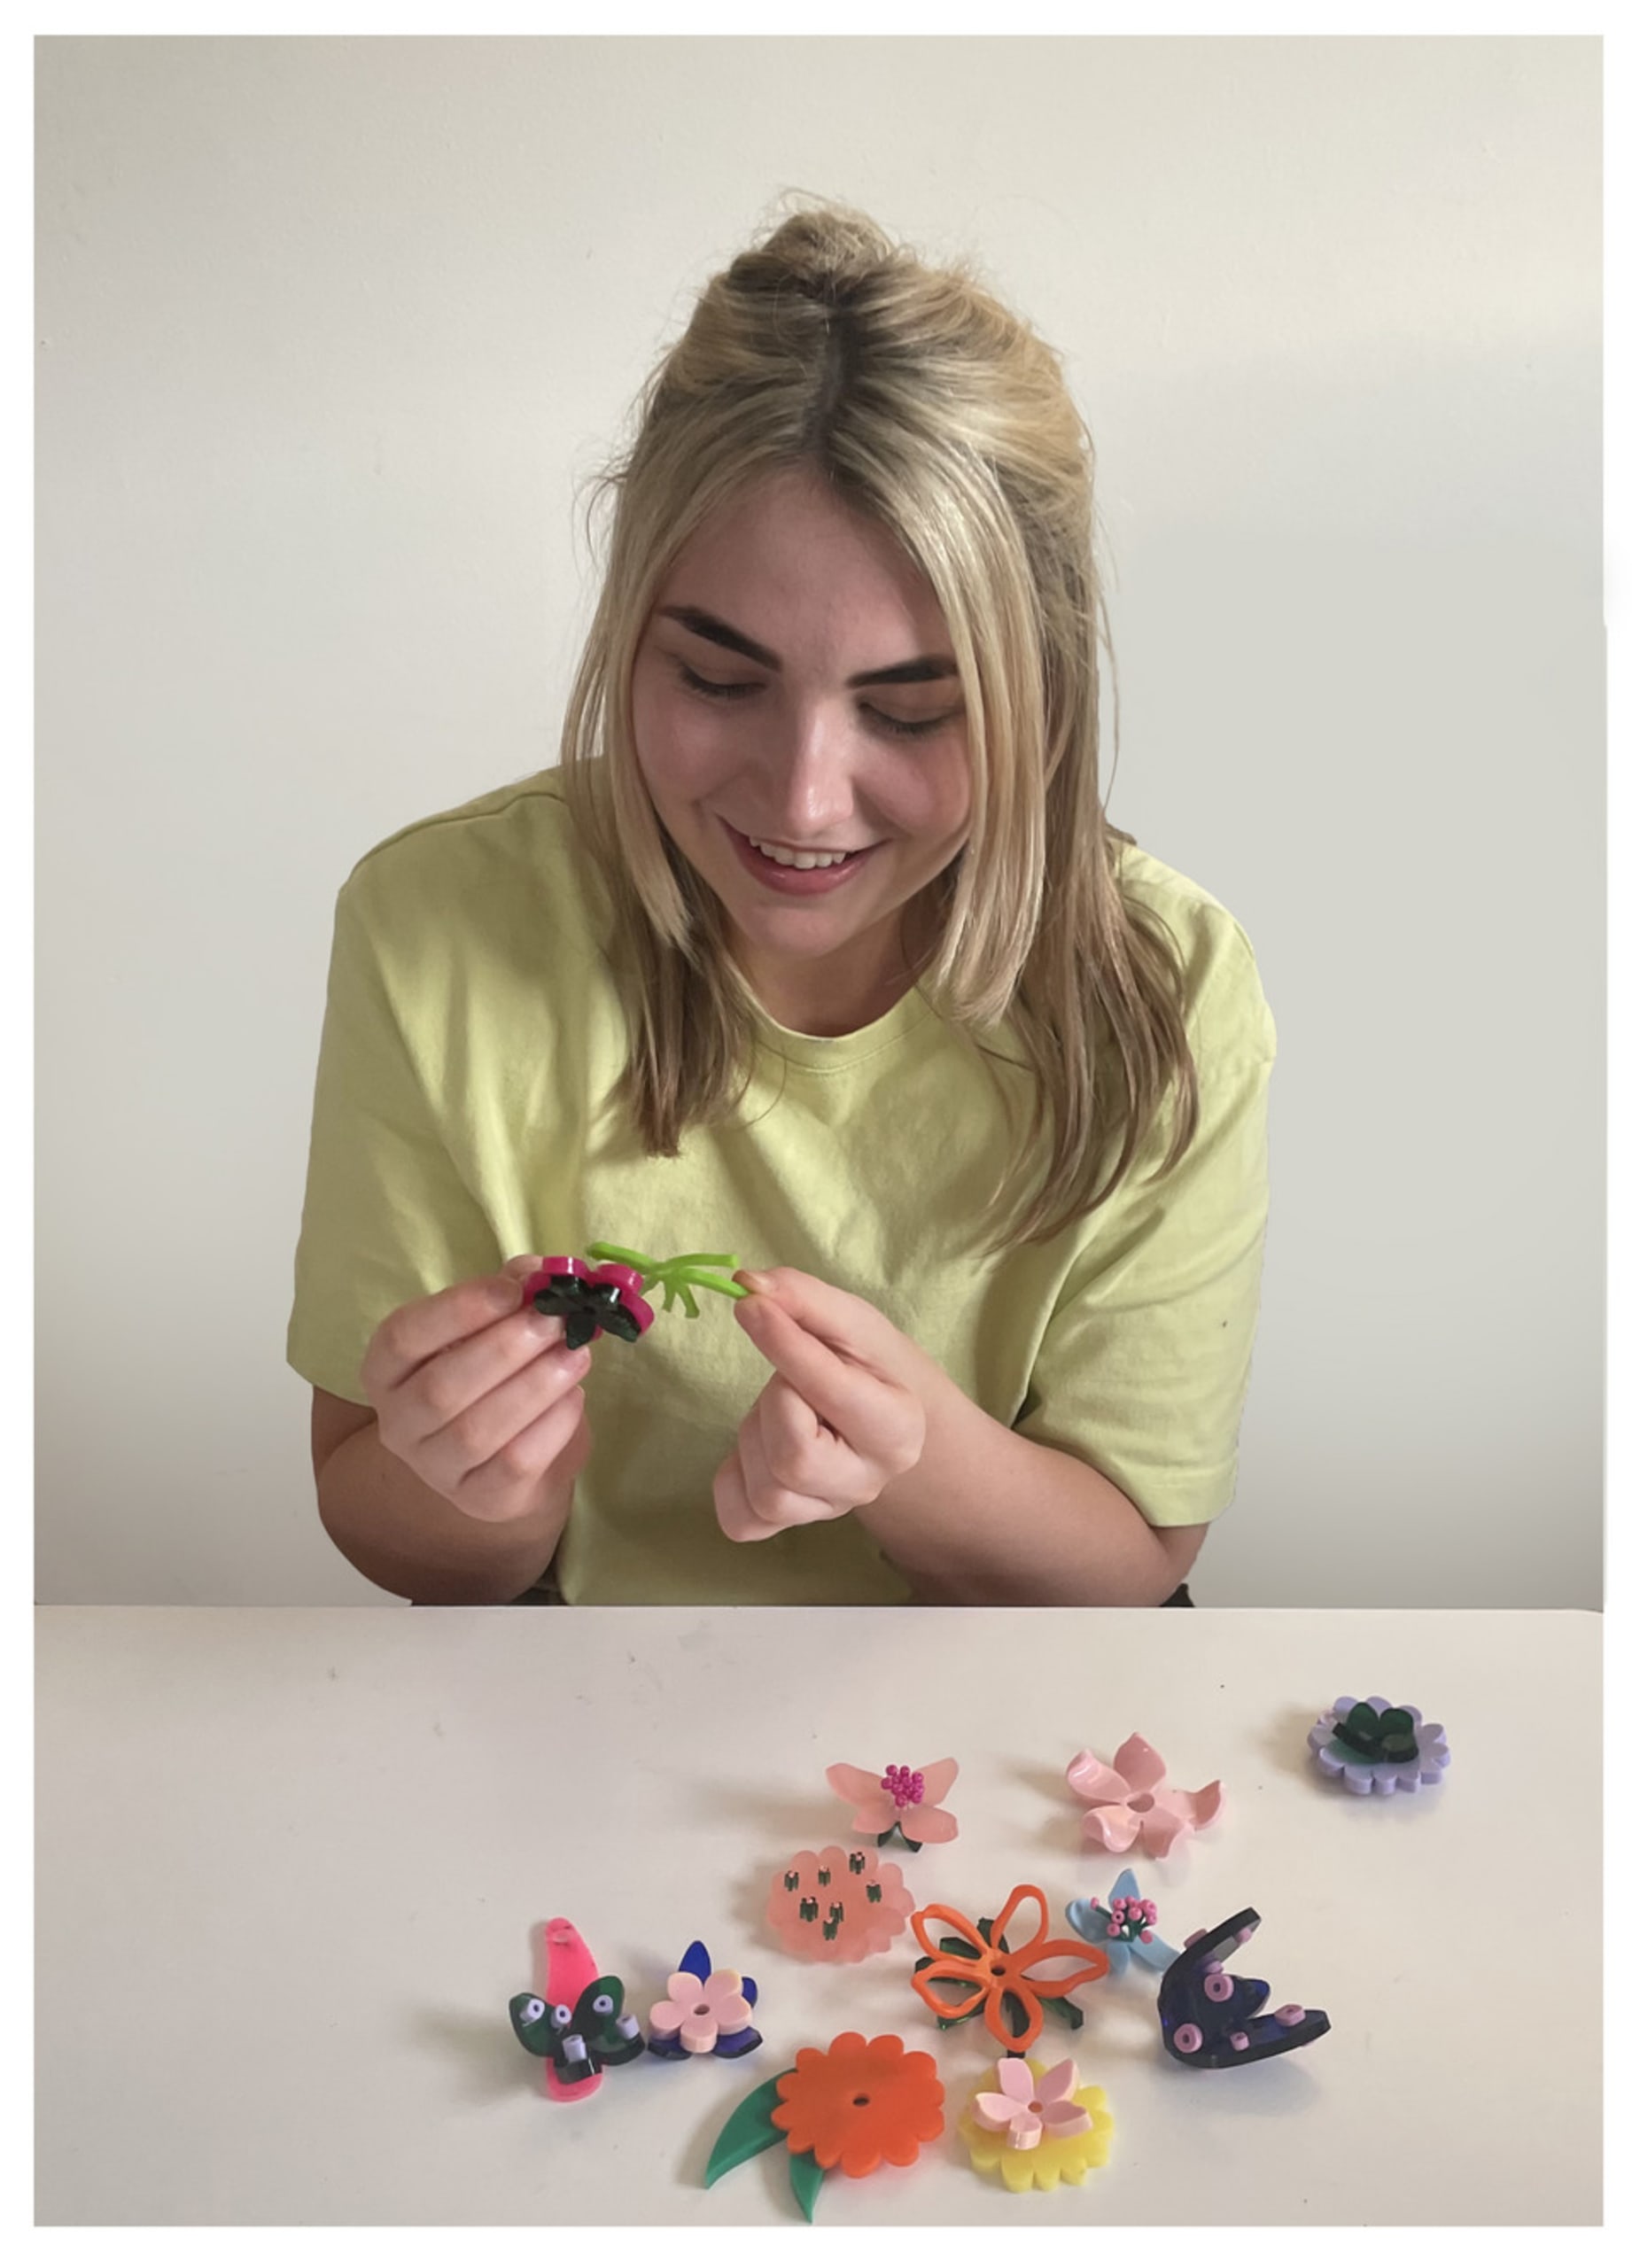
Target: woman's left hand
(843,1416)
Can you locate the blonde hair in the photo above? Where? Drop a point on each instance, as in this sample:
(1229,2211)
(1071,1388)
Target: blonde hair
(939,414)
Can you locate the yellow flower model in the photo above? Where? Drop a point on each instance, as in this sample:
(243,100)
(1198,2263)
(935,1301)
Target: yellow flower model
(1036,2127)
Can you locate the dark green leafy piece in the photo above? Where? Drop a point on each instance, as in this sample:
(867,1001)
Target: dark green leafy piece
(1389,1737)
(805,2174)
(746,2133)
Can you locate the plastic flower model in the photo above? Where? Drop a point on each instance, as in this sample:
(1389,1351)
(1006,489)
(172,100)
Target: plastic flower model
(706,2012)
(1125,1928)
(1213,2021)
(1037,2128)
(838,1904)
(1004,1981)
(607,1297)
(900,1802)
(857,2105)
(1374,1749)
(1131,1803)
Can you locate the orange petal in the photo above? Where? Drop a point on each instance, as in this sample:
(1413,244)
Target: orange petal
(958,1924)
(954,1971)
(1093,1963)
(996,2024)
(1016,1899)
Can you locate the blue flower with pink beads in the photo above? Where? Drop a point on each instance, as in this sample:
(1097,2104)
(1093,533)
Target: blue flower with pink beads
(1125,1927)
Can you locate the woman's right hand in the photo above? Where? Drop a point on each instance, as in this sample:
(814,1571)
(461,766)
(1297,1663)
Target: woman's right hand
(477,1395)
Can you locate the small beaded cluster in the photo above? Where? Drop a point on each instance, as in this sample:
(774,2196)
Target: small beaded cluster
(904,1784)
(1131,1918)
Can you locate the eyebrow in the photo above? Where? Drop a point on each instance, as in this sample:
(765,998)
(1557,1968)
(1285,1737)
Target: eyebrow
(927,669)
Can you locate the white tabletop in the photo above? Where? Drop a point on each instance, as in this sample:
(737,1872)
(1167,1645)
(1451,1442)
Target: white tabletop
(289,1862)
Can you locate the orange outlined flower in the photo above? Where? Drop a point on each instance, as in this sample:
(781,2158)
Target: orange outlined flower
(980,1958)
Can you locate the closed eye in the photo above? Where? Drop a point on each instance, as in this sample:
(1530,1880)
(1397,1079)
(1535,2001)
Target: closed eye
(901,728)
(908,728)
(710,688)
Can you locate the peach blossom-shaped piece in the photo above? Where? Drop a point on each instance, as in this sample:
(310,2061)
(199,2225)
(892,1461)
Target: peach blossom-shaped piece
(1131,1801)
(898,1797)
(699,2008)
(838,1904)
(1026,2108)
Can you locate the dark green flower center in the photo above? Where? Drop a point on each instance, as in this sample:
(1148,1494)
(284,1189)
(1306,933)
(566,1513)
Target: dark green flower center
(1389,1737)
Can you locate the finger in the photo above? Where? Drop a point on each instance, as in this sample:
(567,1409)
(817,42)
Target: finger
(795,1451)
(453,1383)
(736,1515)
(484,1427)
(424,1328)
(861,1407)
(770,1496)
(850,1326)
(847,1322)
(558,1443)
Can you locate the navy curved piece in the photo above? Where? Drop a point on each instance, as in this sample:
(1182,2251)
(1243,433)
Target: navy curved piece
(1212,2020)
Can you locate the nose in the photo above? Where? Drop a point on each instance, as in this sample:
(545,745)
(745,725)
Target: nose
(809,760)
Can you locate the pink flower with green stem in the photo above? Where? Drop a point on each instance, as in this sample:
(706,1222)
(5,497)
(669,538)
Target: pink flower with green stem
(899,1801)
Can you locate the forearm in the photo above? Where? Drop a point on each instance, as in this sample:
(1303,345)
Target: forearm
(989,1518)
(404,1537)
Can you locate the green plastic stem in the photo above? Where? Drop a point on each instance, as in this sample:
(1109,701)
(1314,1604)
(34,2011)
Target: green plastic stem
(675,1277)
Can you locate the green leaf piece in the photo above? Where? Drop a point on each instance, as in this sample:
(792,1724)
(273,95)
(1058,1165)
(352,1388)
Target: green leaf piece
(746,2133)
(805,2174)
(1390,1739)
(675,1277)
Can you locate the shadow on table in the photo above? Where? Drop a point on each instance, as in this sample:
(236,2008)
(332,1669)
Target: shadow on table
(483,2053)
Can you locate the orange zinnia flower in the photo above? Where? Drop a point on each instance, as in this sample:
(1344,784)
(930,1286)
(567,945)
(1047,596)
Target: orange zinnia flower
(859,2102)
(994,1973)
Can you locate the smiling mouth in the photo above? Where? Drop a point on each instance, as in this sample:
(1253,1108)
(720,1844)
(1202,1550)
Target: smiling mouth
(799,857)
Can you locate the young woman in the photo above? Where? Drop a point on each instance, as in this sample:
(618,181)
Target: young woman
(817,948)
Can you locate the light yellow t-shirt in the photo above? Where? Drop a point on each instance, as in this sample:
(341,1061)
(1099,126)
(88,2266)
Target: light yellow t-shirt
(471,1041)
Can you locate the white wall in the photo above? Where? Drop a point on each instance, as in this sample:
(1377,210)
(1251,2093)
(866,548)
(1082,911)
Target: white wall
(331,330)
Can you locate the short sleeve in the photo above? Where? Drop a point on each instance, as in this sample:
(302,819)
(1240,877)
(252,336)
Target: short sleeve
(386,1218)
(1142,1369)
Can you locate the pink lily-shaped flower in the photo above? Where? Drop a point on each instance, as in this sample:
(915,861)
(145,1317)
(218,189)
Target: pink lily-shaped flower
(1131,1802)
(1027,2109)
(898,1797)
(700,2009)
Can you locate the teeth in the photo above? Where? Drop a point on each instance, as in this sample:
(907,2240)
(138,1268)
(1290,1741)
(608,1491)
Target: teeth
(802,859)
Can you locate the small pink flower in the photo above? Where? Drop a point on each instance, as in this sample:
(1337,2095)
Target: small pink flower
(898,1797)
(699,2008)
(1030,2109)
(1133,1803)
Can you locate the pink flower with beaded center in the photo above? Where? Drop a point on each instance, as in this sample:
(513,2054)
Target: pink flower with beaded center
(898,1797)
(699,2008)
(1131,1801)
(1029,2109)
